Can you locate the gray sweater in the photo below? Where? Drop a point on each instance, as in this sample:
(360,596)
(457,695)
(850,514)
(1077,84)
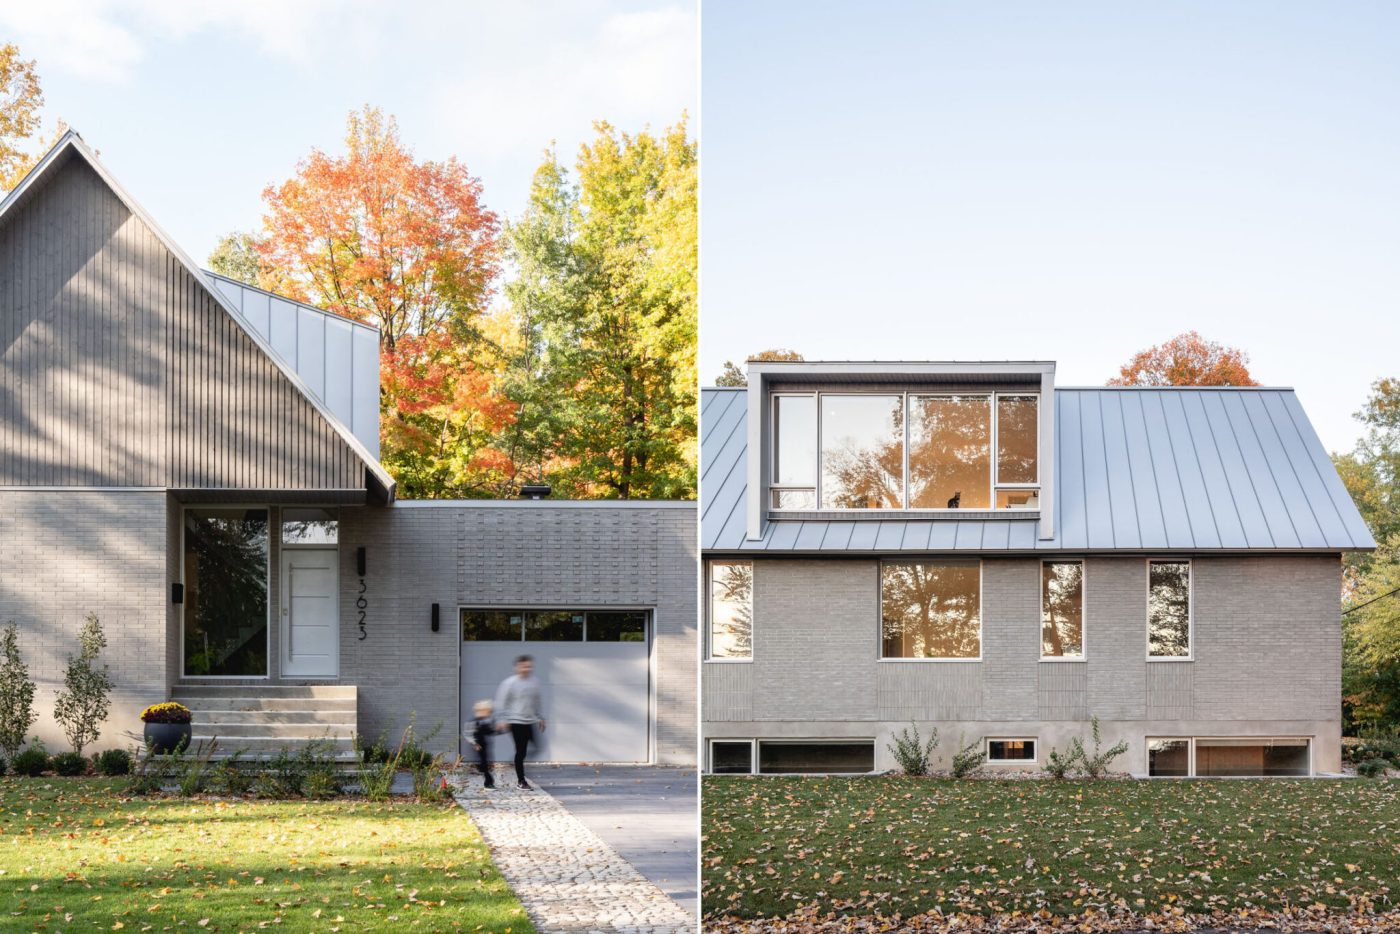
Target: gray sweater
(518,700)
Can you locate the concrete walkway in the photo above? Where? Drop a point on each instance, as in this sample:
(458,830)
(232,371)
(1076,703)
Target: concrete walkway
(646,813)
(570,880)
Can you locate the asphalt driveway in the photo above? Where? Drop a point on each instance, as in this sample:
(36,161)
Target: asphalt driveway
(646,813)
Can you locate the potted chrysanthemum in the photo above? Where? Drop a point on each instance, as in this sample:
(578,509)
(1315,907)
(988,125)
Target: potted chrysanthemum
(167,727)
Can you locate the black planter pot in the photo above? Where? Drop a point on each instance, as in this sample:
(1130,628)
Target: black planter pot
(164,738)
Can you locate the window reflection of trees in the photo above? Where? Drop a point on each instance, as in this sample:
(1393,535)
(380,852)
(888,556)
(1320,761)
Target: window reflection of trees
(225,613)
(1018,429)
(1169,608)
(862,452)
(950,452)
(931,610)
(1062,609)
(731,610)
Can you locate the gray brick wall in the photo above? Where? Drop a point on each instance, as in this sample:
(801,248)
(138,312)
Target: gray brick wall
(511,554)
(1267,658)
(66,553)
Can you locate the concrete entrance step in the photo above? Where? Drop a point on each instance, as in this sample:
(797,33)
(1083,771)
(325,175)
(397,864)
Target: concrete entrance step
(261,720)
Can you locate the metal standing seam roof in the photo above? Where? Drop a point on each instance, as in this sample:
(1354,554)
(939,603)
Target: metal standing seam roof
(1136,469)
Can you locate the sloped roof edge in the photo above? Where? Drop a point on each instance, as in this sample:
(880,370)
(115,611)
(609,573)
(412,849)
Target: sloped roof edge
(72,141)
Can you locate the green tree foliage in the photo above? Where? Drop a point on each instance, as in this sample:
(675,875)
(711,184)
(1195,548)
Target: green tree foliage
(236,256)
(84,699)
(1371,624)
(603,377)
(734,375)
(20,100)
(16,694)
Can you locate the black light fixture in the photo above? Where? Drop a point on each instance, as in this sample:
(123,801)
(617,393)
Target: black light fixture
(360,561)
(177,592)
(436,624)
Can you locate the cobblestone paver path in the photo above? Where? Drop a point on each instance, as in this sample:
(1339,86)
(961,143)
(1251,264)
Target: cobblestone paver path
(568,879)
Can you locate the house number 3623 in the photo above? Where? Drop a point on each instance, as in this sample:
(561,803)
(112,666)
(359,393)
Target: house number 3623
(361,604)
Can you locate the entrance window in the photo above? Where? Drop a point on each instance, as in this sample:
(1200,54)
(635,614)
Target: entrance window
(309,527)
(225,608)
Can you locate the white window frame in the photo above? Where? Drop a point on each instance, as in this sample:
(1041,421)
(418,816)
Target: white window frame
(1190,655)
(773,485)
(1083,655)
(991,395)
(1190,742)
(1033,740)
(815,741)
(274,542)
(880,610)
(710,658)
(710,754)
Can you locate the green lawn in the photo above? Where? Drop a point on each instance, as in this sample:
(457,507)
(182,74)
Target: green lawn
(883,845)
(77,855)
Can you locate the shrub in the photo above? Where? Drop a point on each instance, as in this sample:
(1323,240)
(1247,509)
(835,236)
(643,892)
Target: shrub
(168,712)
(911,753)
(230,777)
(82,703)
(322,783)
(1059,764)
(968,759)
(266,785)
(1096,764)
(70,764)
(194,772)
(1372,768)
(16,694)
(3,765)
(33,762)
(113,762)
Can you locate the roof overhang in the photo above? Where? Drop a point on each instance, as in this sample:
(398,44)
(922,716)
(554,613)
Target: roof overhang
(70,146)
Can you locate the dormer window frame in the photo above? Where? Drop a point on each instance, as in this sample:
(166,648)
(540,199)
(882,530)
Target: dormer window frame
(993,395)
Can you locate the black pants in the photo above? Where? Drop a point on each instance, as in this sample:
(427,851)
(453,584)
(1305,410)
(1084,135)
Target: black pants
(483,762)
(523,734)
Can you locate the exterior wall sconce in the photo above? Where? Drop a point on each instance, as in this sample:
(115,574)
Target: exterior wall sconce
(436,624)
(177,592)
(360,561)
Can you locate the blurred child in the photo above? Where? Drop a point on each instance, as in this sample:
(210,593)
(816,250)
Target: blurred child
(480,736)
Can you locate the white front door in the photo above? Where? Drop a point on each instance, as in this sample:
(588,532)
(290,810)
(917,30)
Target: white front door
(310,613)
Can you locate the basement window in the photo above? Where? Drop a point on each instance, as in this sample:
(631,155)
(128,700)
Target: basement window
(844,757)
(1010,750)
(731,756)
(1256,758)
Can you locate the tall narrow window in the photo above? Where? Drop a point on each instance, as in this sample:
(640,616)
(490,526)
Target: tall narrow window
(950,452)
(1062,609)
(731,609)
(1169,609)
(862,451)
(794,452)
(931,609)
(1018,439)
(225,608)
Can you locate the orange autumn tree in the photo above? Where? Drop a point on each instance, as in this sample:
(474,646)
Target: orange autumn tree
(407,246)
(1186,360)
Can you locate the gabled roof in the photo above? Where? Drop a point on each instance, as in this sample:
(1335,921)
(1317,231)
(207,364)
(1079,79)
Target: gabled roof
(70,146)
(1137,470)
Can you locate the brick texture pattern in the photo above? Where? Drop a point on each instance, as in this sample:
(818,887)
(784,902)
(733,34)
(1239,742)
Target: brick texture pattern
(65,554)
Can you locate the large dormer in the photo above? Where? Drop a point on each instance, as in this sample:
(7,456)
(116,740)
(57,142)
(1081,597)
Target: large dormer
(878,440)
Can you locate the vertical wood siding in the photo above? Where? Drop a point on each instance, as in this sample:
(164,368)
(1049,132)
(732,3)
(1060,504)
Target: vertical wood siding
(118,368)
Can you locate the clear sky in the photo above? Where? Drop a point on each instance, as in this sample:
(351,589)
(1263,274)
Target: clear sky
(1070,181)
(197,105)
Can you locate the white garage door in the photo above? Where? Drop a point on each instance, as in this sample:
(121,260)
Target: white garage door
(594,677)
